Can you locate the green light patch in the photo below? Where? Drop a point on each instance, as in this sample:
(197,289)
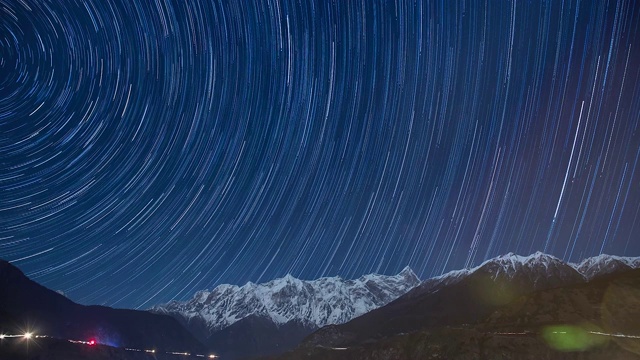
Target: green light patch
(570,338)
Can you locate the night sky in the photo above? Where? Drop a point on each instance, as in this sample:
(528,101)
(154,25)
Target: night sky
(150,149)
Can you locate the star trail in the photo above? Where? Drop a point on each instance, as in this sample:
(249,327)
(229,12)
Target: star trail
(150,149)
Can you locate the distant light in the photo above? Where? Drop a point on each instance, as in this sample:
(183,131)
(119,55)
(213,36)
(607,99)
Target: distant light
(28,335)
(92,342)
(212,356)
(2,336)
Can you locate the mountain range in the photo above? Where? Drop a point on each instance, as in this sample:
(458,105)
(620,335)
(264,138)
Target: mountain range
(259,319)
(269,318)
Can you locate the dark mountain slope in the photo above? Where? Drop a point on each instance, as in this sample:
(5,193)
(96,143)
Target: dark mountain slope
(466,298)
(595,320)
(30,306)
(255,335)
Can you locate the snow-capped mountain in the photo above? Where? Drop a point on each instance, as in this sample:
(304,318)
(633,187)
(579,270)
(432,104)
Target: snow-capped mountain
(534,272)
(314,303)
(540,269)
(509,264)
(605,264)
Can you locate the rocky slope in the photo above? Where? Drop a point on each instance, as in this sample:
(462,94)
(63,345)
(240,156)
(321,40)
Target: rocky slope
(605,264)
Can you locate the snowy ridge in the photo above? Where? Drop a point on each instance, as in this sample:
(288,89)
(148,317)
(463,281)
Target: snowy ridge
(314,303)
(326,301)
(510,264)
(538,264)
(513,260)
(605,264)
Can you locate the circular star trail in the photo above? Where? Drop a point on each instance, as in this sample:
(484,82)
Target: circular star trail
(152,149)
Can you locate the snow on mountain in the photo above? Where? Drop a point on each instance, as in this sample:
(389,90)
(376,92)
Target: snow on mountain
(605,264)
(534,272)
(510,264)
(325,301)
(539,269)
(315,303)
(539,265)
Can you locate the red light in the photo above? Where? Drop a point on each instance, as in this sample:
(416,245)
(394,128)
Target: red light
(92,342)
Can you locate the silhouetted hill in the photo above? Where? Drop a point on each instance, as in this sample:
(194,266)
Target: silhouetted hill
(26,305)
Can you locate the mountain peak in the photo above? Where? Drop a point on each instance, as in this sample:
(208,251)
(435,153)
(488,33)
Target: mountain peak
(4,264)
(10,271)
(289,278)
(408,271)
